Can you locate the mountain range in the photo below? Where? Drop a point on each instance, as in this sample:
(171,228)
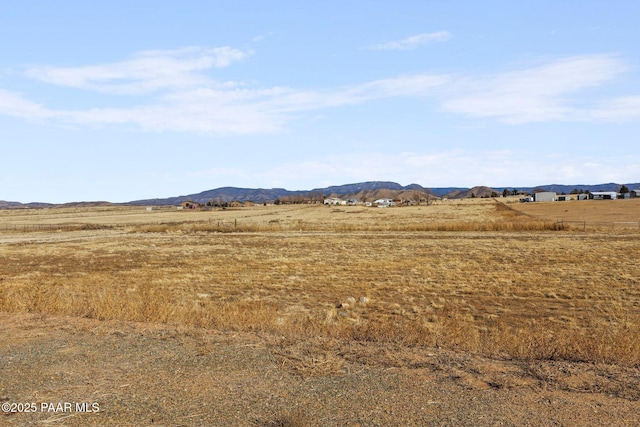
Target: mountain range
(370,190)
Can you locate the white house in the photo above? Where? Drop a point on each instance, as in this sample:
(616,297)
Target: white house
(334,201)
(384,203)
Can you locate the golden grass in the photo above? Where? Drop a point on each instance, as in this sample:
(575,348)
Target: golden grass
(501,285)
(590,211)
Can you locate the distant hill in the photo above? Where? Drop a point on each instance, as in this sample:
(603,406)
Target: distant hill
(18,205)
(479,191)
(370,190)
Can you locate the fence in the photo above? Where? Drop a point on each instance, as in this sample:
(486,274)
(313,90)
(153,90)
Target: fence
(616,225)
(278,225)
(52,227)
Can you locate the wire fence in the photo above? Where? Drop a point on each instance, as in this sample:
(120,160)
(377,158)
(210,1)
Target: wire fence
(52,227)
(613,225)
(279,225)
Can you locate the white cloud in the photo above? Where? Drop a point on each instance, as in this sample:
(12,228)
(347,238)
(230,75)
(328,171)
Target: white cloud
(294,100)
(618,109)
(13,104)
(536,94)
(180,96)
(147,71)
(225,109)
(414,41)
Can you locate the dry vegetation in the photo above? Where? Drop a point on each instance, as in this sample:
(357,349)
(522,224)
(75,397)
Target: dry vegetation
(475,275)
(602,214)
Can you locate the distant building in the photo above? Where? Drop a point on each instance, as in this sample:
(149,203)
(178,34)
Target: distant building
(334,201)
(189,205)
(563,197)
(545,196)
(384,203)
(603,195)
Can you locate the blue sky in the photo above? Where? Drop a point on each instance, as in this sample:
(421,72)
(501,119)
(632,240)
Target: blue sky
(124,100)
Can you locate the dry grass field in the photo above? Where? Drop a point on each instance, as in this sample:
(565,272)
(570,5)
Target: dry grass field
(595,213)
(474,277)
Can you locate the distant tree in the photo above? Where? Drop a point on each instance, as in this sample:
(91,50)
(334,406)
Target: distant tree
(624,189)
(315,196)
(514,192)
(494,194)
(505,192)
(473,195)
(416,196)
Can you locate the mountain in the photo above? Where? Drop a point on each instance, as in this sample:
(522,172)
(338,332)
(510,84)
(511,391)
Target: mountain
(370,190)
(18,205)
(480,191)
(225,194)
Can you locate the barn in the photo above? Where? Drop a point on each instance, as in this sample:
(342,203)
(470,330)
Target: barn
(545,196)
(603,195)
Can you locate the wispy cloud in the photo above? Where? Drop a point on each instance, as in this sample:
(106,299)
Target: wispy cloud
(181,96)
(535,94)
(145,72)
(413,42)
(13,104)
(620,109)
(177,93)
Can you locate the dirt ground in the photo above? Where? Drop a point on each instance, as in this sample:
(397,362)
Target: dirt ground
(80,371)
(163,375)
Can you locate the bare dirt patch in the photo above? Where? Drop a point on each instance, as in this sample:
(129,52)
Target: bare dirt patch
(149,374)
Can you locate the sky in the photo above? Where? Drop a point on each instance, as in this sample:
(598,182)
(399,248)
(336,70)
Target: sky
(127,100)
